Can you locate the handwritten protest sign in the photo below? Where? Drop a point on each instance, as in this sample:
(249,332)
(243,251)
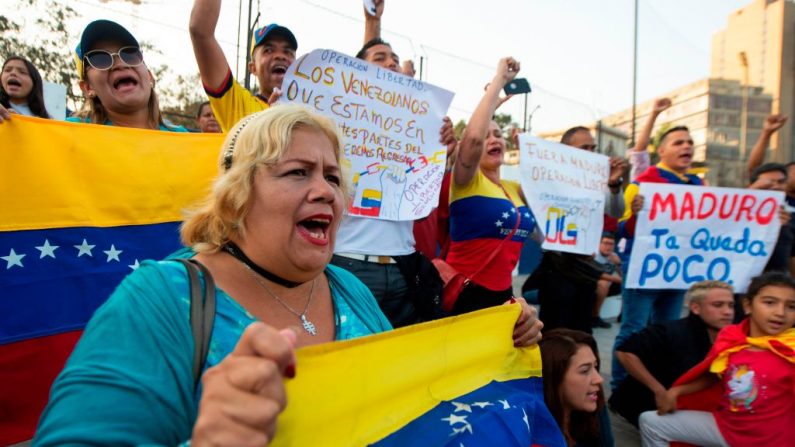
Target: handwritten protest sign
(390,124)
(565,187)
(686,234)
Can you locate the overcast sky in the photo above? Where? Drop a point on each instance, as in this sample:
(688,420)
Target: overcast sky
(577,54)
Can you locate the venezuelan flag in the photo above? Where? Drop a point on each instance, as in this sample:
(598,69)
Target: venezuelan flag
(83,205)
(452,382)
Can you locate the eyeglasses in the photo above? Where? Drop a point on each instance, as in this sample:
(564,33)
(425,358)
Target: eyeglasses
(103,60)
(588,147)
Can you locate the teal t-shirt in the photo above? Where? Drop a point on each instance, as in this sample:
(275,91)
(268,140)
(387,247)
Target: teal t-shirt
(130,380)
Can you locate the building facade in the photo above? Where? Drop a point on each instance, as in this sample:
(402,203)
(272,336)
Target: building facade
(757,48)
(609,140)
(713,110)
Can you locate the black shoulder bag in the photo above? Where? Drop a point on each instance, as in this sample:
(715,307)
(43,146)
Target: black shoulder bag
(202,313)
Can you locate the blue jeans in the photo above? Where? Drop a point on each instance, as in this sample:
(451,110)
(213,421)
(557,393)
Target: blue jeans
(388,287)
(640,308)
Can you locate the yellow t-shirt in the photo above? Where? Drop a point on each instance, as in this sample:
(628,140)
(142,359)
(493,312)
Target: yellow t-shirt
(231,102)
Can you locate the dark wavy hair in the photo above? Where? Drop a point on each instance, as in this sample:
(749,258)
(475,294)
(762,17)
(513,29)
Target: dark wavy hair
(773,278)
(36,96)
(362,54)
(557,348)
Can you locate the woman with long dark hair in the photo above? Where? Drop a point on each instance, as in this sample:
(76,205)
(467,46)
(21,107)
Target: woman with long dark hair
(489,216)
(21,88)
(572,385)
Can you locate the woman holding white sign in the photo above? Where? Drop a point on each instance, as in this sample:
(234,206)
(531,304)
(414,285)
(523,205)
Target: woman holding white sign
(489,217)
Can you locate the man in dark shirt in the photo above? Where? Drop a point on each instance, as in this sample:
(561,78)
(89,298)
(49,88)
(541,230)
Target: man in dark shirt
(657,355)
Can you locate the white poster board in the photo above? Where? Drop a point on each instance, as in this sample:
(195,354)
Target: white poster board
(390,124)
(565,187)
(685,234)
(55,100)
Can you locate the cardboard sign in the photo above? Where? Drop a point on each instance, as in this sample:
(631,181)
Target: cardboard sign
(565,187)
(390,124)
(685,234)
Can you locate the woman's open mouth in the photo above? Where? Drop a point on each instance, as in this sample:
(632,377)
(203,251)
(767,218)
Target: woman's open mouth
(495,150)
(125,83)
(315,228)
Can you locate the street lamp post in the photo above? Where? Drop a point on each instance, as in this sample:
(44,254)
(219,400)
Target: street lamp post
(743,112)
(529,120)
(634,74)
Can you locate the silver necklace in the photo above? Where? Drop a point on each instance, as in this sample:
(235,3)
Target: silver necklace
(308,325)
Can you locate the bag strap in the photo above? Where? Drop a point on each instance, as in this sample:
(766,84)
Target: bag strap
(507,238)
(202,313)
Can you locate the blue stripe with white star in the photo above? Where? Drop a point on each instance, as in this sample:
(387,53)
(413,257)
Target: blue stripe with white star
(510,413)
(53,280)
(478,217)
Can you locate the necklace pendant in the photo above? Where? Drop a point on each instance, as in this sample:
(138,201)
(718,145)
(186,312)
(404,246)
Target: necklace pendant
(308,326)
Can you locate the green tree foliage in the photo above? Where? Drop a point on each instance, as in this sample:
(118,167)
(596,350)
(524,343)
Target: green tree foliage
(504,120)
(506,123)
(41,36)
(655,142)
(458,129)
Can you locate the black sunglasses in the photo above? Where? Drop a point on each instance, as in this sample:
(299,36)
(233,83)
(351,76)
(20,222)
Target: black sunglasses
(103,60)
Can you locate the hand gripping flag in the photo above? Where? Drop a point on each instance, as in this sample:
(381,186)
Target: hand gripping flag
(452,382)
(82,205)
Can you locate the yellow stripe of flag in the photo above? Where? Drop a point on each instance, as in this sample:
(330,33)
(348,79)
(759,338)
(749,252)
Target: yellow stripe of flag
(359,391)
(57,174)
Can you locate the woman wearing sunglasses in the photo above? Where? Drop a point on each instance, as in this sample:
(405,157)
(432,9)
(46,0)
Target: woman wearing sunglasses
(118,87)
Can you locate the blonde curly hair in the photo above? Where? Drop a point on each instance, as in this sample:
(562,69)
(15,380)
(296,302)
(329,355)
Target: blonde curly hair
(259,139)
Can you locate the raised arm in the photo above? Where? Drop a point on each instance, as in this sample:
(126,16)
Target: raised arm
(213,67)
(470,148)
(772,124)
(659,106)
(372,23)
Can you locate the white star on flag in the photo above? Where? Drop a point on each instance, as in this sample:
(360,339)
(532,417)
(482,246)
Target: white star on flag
(84,249)
(498,224)
(113,254)
(455,419)
(13,259)
(467,427)
(134,265)
(527,215)
(482,405)
(461,407)
(513,211)
(505,215)
(526,421)
(47,249)
(505,404)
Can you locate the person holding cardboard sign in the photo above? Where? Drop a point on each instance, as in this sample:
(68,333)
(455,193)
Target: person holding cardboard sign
(641,306)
